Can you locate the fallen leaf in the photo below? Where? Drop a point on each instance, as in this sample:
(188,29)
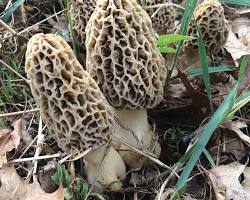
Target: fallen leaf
(235,47)
(241,27)
(235,126)
(12,187)
(227,144)
(10,139)
(225,181)
(44,177)
(243,12)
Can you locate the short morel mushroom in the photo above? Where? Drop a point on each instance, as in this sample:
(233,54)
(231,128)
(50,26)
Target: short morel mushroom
(73,107)
(81,12)
(123,58)
(210,18)
(163,16)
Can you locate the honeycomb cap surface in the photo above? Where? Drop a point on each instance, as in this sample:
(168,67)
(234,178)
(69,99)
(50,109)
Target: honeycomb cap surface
(213,26)
(122,55)
(164,19)
(81,12)
(71,104)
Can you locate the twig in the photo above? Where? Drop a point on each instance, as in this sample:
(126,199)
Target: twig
(163,5)
(81,155)
(40,139)
(30,27)
(163,186)
(35,158)
(7,27)
(11,69)
(145,154)
(19,112)
(158,9)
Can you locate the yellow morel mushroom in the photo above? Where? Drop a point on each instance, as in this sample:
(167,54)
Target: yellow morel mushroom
(73,107)
(162,17)
(210,18)
(123,58)
(81,11)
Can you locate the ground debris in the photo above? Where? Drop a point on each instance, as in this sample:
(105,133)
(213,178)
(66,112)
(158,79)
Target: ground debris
(12,187)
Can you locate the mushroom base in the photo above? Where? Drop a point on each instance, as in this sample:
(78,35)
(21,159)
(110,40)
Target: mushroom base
(105,168)
(133,128)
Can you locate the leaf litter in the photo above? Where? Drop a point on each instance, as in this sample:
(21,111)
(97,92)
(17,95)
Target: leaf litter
(185,105)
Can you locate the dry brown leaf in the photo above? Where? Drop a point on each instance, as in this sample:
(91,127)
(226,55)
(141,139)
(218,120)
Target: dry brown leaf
(10,139)
(225,181)
(44,177)
(241,27)
(12,187)
(232,145)
(235,126)
(235,47)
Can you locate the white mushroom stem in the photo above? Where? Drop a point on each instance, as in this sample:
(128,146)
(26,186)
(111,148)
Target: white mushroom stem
(134,129)
(103,166)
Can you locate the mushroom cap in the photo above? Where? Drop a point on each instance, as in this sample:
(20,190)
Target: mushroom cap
(81,12)
(71,104)
(122,55)
(213,25)
(164,19)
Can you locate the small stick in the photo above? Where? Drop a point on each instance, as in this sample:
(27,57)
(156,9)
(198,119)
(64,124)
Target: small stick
(11,69)
(146,155)
(163,5)
(30,27)
(7,27)
(40,139)
(163,186)
(35,158)
(27,148)
(19,112)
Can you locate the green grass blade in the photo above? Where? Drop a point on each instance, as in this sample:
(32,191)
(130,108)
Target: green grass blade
(209,158)
(167,50)
(165,40)
(183,29)
(7,13)
(204,67)
(242,101)
(198,71)
(218,117)
(243,66)
(221,114)
(70,25)
(237,2)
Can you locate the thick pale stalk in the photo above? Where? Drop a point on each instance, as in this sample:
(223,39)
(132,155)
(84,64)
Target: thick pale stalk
(134,129)
(103,167)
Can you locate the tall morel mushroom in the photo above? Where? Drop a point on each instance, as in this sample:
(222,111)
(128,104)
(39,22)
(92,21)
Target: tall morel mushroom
(81,12)
(124,60)
(210,18)
(163,17)
(73,107)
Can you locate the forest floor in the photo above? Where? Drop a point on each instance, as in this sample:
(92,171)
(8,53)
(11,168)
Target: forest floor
(29,156)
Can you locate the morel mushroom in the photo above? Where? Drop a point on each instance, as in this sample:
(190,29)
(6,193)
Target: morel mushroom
(73,107)
(210,18)
(81,11)
(163,17)
(123,58)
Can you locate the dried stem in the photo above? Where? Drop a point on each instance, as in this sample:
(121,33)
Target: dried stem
(11,69)
(35,158)
(19,112)
(40,139)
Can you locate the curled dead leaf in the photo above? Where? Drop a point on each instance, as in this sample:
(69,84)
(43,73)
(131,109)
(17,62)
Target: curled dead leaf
(235,47)
(225,181)
(10,139)
(12,187)
(235,126)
